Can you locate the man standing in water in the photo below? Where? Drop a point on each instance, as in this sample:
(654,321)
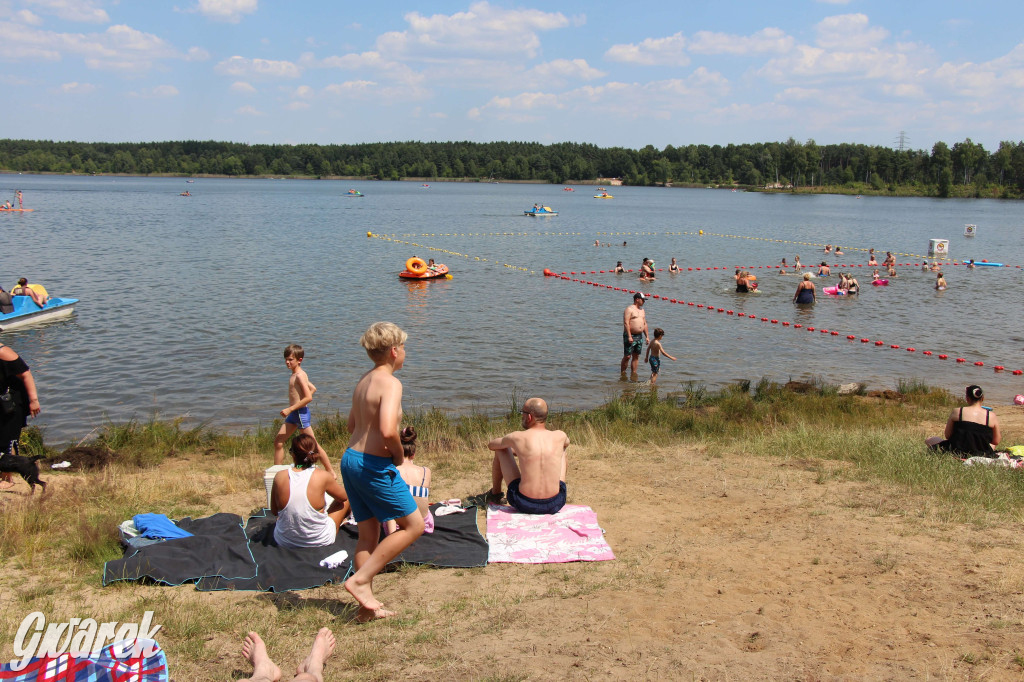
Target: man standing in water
(634,333)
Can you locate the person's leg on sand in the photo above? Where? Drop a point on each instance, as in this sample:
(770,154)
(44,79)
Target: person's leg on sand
(312,668)
(371,557)
(503,468)
(263,669)
(282,437)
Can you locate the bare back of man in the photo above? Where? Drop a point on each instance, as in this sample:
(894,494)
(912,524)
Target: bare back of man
(540,472)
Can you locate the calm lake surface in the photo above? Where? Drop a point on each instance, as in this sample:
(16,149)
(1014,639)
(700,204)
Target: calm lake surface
(187,303)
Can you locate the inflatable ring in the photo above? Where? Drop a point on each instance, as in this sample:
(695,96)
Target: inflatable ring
(416,265)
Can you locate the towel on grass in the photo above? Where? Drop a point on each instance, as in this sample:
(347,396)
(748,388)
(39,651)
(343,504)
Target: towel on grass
(102,666)
(224,555)
(570,535)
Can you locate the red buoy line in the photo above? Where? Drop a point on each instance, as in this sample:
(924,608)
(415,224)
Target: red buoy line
(803,268)
(749,316)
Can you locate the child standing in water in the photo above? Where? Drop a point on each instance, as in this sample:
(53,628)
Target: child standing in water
(654,352)
(296,415)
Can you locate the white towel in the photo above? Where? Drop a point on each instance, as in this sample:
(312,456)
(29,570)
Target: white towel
(334,560)
(445,510)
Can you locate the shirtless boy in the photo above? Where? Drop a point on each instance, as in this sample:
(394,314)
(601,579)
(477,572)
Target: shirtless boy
(634,333)
(375,488)
(536,485)
(654,352)
(296,415)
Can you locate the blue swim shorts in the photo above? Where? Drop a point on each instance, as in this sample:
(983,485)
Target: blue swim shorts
(299,417)
(528,505)
(375,488)
(655,364)
(634,347)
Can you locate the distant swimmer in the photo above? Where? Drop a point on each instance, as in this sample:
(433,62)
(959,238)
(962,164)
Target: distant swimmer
(673,266)
(619,268)
(940,282)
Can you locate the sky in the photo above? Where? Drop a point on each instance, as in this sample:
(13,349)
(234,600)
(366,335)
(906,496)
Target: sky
(652,72)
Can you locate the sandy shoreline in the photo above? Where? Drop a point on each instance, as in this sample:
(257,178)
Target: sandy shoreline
(730,565)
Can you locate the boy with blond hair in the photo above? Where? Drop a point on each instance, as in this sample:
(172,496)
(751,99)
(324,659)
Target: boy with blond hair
(369,470)
(296,415)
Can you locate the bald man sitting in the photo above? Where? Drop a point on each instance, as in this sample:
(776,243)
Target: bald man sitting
(536,485)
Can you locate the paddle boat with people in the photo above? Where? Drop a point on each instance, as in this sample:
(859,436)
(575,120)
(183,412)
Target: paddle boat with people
(27,312)
(540,211)
(603,195)
(354,193)
(417,268)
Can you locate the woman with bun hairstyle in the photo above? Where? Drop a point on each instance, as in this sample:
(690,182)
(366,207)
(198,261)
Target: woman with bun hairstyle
(971,430)
(298,498)
(417,478)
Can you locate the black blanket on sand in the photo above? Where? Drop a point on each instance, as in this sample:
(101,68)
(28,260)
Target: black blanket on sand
(224,555)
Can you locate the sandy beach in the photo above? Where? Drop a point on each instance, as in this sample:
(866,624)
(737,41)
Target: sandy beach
(729,565)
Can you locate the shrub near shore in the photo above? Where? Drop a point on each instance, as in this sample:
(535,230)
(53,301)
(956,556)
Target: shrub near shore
(54,547)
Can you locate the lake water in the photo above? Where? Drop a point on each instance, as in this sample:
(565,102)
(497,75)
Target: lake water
(187,303)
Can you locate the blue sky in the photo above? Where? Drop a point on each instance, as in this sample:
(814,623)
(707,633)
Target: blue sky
(655,72)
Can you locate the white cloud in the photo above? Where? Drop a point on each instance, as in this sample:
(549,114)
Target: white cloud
(248,110)
(72,10)
(670,51)
(230,11)
(349,87)
(303,92)
(482,30)
(834,2)
(576,69)
(26,17)
(197,54)
(296,106)
(243,88)
(662,100)
(75,88)
(119,48)
(257,68)
(766,40)
(156,92)
(849,32)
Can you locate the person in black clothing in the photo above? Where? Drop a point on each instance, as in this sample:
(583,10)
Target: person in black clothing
(970,431)
(18,399)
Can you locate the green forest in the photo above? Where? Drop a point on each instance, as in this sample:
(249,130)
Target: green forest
(963,169)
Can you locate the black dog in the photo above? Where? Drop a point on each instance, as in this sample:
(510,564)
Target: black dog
(25,466)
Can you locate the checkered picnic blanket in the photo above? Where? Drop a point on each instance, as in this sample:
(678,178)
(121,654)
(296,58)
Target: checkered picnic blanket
(103,666)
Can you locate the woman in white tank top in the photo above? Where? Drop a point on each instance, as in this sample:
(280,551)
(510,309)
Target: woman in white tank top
(298,499)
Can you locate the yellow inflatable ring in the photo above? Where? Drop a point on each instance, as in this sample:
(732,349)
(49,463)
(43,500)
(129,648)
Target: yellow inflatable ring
(416,265)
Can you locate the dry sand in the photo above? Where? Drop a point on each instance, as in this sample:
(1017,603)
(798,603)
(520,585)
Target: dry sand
(728,568)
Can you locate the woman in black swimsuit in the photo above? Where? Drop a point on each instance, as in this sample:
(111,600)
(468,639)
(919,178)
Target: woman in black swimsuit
(971,430)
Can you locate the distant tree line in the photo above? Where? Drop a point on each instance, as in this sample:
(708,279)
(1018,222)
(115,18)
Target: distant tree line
(965,169)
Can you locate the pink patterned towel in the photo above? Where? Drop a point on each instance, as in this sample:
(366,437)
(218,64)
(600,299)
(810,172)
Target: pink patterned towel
(570,535)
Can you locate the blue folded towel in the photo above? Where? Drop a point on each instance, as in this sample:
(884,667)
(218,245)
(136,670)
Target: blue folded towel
(158,526)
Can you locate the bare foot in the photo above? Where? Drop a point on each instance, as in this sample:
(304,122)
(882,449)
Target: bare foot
(366,615)
(255,651)
(323,647)
(363,594)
